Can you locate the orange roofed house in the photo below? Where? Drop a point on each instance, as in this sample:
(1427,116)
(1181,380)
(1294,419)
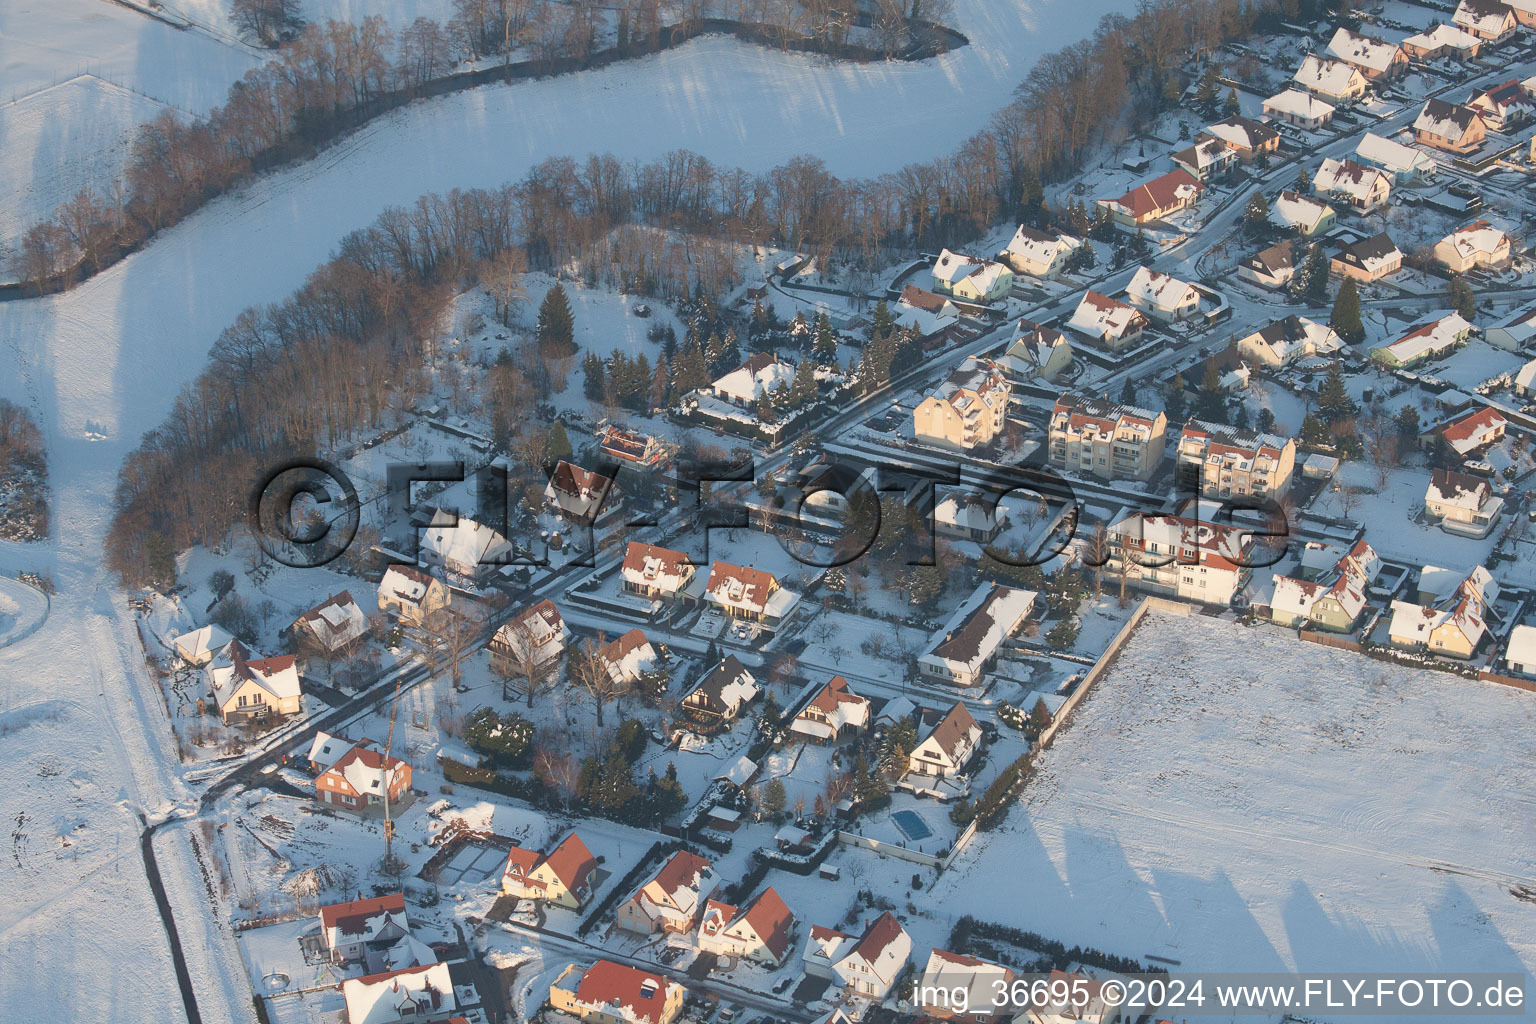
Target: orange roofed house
(359,779)
(610,993)
(562,877)
(1155,199)
(762,931)
(672,900)
(740,592)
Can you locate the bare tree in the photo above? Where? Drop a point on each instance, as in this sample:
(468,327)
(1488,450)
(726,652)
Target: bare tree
(503,278)
(515,656)
(1096,556)
(588,669)
(269,22)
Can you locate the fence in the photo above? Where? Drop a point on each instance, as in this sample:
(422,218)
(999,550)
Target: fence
(914,856)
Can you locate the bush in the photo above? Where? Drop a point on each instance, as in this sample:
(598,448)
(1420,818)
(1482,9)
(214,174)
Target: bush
(505,741)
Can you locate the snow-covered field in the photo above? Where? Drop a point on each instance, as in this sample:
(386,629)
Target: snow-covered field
(1237,800)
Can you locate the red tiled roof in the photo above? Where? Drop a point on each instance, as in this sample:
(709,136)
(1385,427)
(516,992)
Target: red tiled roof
(606,983)
(350,916)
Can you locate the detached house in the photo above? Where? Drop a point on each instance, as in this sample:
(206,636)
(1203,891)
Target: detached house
(644,450)
(372,932)
(1479,244)
(1114,324)
(466,551)
(1515,334)
(947,747)
(249,689)
(1332,601)
(1285,341)
(1270,268)
(1244,136)
(628,658)
(1504,107)
(969,984)
(1464,504)
(1449,127)
(422,994)
(1102,439)
(1374,58)
(611,993)
(1369,259)
(535,639)
(1207,159)
(1472,431)
(361,778)
(581,496)
(1037,351)
(1520,654)
(1404,163)
(1333,80)
(201,646)
(1364,188)
(759,376)
(1442,41)
(721,694)
(743,593)
(656,572)
(1039,253)
(1224,461)
(1427,340)
(1492,21)
(1301,109)
(834,712)
(334,624)
(961,652)
(411,595)
(864,965)
(762,931)
(1191,559)
(562,877)
(672,901)
(968,410)
(1303,214)
(970,515)
(1158,198)
(971,279)
(1162,296)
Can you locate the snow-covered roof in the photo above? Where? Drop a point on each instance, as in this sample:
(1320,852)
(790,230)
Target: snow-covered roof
(1159,290)
(1415,623)
(326,749)
(726,687)
(650,566)
(1391,155)
(1364,51)
(1372,255)
(1479,238)
(416,993)
(952,266)
(1458,490)
(1430,337)
(1522,646)
(1242,132)
(1203,156)
(979,626)
(405,584)
(833,708)
(335,622)
(465,543)
(1330,77)
(366,770)
(748,589)
(756,377)
(1298,104)
(1521,328)
(1447,120)
(1349,178)
(1100,316)
(1161,193)
(234,666)
(1037,246)
(1287,338)
(1483,17)
(1474,430)
(617,991)
(201,645)
(1291,210)
(629,657)
(677,890)
(1035,344)
(1443,36)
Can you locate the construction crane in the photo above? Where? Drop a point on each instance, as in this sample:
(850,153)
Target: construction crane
(384,775)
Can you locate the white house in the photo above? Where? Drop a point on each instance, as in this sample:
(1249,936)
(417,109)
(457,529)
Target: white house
(1364,188)
(960,653)
(1039,253)
(333,624)
(1520,655)
(414,994)
(943,752)
(1162,296)
(1515,334)
(971,279)
(1333,80)
(1271,268)
(1303,214)
(964,981)
(656,572)
(467,552)
(628,658)
(1299,108)
(201,646)
(762,931)
(833,712)
(1464,504)
(1479,244)
(741,592)
(1206,159)
(1285,341)
(1442,40)
(372,932)
(1404,163)
(673,899)
(863,965)
(1116,324)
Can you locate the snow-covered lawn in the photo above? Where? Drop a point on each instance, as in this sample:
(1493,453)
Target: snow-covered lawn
(1237,800)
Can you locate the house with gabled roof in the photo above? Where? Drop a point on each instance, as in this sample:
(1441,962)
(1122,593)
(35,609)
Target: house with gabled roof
(741,592)
(1334,80)
(1299,108)
(1155,199)
(761,374)
(1364,188)
(374,932)
(969,408)
(1036,351)
(1287,340)
(1206,159)
(247,688)
(1447,126)
(628,658)
(563,876)
(1404,163)
(582,496)
(964,987)
(762,931)
(719,697)
(1492,21)
(1514,334)
(1333,601)
(1243,135)
(1305,215)
(628,446)
(672,900)
(864,965)
(333,624)
(411,595)
(1374,58)
(1464,504)
(930,314)
(1271,268)
(1443,40)
(1039,253)
(1469,432)
(202,645)
(960,653)
(656,572)
(970,515)
(1114,324)
(1453,630)
(362,778)
(535,638)
(1524,11)
(1162,296)
(971,278)
(422,994)
(1504,107)
(948,745)
(1426,340)
(1369,259)
(467,552)
(614,993)
(1479,244)
(833,712)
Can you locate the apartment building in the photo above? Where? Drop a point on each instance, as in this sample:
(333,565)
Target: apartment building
(969,408)
(1106,440)
(1226,462)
